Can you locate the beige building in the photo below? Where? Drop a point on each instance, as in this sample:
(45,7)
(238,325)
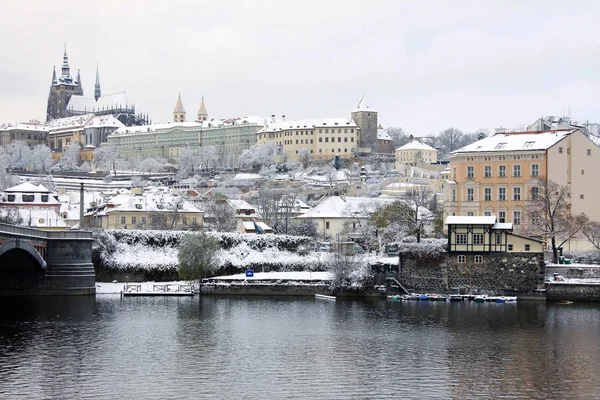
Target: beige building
(319,138)
(145,211)
(498,176)
(31,133)
(414,153)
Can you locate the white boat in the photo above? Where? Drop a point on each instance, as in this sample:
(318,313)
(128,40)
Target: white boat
(324,297)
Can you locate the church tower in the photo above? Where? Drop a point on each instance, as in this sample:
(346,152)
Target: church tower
(97,92)
(366,119)
(202,113)
(179,111)
(61,90)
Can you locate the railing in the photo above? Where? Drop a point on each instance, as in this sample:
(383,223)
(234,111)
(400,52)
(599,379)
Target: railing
(32,232)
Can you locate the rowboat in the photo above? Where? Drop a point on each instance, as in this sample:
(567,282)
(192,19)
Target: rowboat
(324,297)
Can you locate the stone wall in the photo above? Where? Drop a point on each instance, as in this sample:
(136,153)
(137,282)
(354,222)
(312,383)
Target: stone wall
(499,273)
(573,291)
(70,270)
(574,272)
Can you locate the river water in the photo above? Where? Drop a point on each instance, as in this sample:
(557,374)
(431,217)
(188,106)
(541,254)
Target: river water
(279,348)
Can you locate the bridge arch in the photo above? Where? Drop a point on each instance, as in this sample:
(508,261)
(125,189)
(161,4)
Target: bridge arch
(22,245)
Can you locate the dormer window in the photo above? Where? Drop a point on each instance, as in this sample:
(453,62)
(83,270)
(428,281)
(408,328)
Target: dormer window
(528,145)
(500,146)
(28,198)
(11,198)
(138,206)
(44,198)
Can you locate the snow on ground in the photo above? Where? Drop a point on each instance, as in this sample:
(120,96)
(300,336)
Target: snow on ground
(290,276)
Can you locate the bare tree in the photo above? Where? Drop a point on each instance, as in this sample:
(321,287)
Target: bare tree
(399,137)
(549,215)
(219,215)
(592,232)
(167,214)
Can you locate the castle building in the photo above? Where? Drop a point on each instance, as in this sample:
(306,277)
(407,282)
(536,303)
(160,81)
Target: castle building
(202,113)
(66,99)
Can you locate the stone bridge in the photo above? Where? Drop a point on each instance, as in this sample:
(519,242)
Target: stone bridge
(36,262)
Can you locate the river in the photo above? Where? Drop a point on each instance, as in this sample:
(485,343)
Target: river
(280,348)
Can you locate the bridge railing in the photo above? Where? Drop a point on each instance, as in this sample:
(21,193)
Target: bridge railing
(32,232)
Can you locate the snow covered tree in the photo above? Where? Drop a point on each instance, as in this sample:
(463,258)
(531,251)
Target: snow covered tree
(304,157)
(19,155)
(197,256)
(151,165)
(349,272)
(592,232)
(208,158)
(70,158)
(189,162)
(105,158)
(42,158)
(259,155)
(219,215)
(549,215)
(399,137)
(4,166)
(304,228)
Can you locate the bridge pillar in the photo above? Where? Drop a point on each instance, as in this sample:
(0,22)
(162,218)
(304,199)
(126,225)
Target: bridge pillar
(69,268)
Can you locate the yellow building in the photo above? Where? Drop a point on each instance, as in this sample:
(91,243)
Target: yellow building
(414,153)
(498,176)
(319,138)
(145,211)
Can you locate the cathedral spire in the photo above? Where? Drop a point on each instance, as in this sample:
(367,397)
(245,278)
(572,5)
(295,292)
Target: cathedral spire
(202,113)
(179,111)
(97,92)
(79,90)
(54,81)
(66,71)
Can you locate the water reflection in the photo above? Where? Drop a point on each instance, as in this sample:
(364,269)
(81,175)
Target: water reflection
(217,347)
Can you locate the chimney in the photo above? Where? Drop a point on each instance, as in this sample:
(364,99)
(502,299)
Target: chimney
(283,118)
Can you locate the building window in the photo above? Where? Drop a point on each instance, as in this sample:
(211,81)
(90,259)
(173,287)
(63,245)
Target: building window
(478,238)
(535,193)
(44,198)
(527,247)
(510,247)
(501,194)
(498,238)
(487,194)
(352,139)
(133,220)
(501,216)
(582,172)
(123,221)
(470,214)
(470,194)
(517,217)
(487,171)
(461,259)
(143,220)
(535,170)
(516,170)
(327,225)
(517,193)
(487,214)
(478,259)
(454,173)
(560,150)
(470,171)
(589,152)
(27,198)
(453,194)
(461,238)
(184,221)
(326,139)
(581,197)
(502,171)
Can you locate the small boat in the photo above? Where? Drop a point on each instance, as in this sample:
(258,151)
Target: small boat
(412,296)
(500,300)
(480,298)
(424,297)
(456,297)
(324,297)
(395,297)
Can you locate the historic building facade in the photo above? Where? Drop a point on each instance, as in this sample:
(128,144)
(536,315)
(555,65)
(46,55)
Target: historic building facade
(498,176)
(66,99)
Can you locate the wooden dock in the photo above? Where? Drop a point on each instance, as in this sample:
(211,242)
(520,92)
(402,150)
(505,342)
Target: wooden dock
(169,289)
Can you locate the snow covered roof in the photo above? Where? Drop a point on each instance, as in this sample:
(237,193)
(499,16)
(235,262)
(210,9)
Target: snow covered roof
(249,226)
(241,205)
(516,141)
(27,187)
(102,121)
(151,202)
(65,124)
(247,176)
(362,106)
(463,220)
(309,124)
(24,127)
(86,103)
(503,226)
(344,207)
(382,134)
(416,145)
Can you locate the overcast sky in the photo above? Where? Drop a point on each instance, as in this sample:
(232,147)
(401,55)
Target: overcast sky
(424,65)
